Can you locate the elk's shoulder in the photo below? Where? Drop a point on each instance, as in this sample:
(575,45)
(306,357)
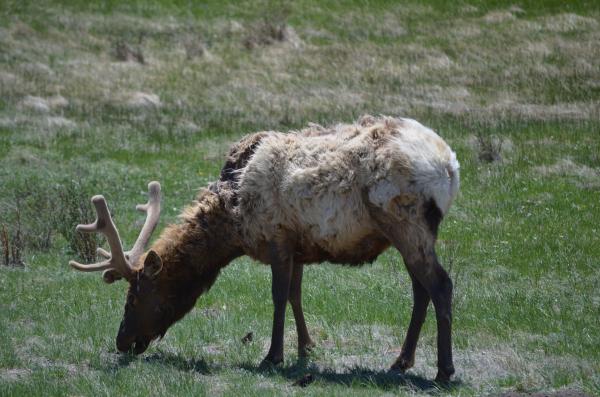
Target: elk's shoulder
(239,155)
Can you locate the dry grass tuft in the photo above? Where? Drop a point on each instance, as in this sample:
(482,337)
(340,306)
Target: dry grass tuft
(498,17)
(43,105)
(57,101)
(266,33)
(12,246)
(36,104)
(567,167)
(588,177)
(489,147)
(194,47)
(126,53)
(569,22)
(7,79)
(37,69)
(14,374)
(271,29)
(27,220)
(143,100)
(59,122)
(75,209)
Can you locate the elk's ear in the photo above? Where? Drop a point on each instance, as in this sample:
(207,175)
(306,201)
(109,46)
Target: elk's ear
(110,276)
(152,264)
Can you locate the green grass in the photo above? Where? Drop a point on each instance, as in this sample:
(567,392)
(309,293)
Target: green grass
(521,240)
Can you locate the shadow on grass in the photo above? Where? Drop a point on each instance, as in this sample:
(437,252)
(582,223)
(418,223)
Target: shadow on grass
(353,377)
(189,365)
(163,358)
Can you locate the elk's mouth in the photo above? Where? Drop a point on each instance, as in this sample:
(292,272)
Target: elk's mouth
(141,344)
(135,346)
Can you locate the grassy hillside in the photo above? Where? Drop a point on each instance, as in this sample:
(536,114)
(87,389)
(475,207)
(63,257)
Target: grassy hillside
(102,98)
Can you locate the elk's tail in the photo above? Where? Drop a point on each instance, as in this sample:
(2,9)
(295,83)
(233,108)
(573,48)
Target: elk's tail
(454,175)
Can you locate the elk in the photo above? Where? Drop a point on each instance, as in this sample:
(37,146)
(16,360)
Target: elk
(342,194)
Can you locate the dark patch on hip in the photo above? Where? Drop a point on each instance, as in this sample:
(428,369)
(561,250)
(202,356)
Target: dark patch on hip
(433,216)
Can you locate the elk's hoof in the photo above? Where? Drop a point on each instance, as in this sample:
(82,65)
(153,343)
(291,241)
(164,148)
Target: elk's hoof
(402,364)
(443,375)
(270,362)
(306,349)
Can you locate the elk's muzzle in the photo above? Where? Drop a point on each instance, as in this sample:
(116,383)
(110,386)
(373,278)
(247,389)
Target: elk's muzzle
(131,343)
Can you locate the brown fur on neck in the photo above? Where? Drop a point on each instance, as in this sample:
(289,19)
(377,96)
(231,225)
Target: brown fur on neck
(194,251)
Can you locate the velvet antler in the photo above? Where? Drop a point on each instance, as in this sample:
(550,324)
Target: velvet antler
(120,264)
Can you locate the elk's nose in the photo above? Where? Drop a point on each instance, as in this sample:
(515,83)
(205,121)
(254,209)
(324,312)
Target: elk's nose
(124,346)
(124,341)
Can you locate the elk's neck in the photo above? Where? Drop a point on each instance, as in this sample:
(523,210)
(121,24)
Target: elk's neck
(194,251)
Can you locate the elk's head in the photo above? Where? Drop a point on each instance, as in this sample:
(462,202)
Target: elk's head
(145,317)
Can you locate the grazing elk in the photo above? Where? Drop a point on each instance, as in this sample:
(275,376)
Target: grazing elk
(342,194)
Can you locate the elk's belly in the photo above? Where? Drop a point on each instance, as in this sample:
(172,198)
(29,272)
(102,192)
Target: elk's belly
(364,250)
(331,226)
(335,227)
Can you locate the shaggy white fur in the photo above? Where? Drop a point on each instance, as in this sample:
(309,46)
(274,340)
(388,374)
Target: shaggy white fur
(436,169)
(312,181)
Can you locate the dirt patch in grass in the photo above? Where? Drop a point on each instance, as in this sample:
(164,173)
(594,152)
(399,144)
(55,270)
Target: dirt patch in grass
(498,17)
(43,105)
(570,168)
(32,352)
(59,122)
(569,22)
(559,393)
(7,79)
(586,177)
(35,104)
(14,374)
(143,100)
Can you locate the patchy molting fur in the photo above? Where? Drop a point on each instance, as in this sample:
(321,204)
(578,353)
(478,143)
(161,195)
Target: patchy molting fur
(309,185)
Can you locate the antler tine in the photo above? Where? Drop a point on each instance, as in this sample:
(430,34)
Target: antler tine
(103,253)
(105,225)
(92,267)
(152,210)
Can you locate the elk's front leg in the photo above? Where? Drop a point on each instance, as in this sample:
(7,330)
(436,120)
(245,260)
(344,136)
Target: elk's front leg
(305,344)
(281,272)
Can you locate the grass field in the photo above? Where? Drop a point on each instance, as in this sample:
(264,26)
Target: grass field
(102,98)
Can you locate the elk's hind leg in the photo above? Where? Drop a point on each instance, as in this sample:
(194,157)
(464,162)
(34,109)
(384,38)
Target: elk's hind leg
(305,344)
(437,283)
(412,228)
(420,302)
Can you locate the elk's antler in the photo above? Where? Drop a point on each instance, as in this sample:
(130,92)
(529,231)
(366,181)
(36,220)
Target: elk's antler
(119,263)
(152,210)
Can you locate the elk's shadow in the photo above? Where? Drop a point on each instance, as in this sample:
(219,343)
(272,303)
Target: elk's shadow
(352,377)
(355,376)
(188,365)
(163,358)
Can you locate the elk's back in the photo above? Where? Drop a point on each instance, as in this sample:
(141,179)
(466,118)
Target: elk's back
(312,184)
